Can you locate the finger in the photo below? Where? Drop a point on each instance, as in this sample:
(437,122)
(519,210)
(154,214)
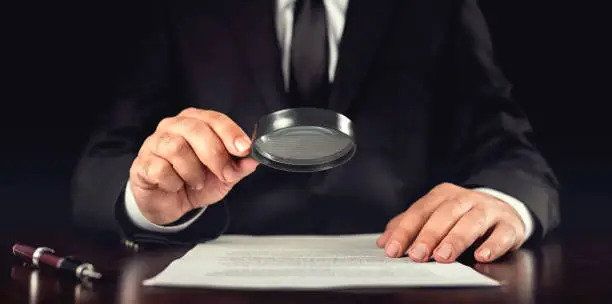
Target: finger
(232,136)
(245,167)
(503,238)
(207,146)
(382,240)
(438,226)
(177,151)
(411,223)
(155,172)
(136,175)
(468,229)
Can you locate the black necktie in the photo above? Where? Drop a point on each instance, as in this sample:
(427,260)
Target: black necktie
(309,79)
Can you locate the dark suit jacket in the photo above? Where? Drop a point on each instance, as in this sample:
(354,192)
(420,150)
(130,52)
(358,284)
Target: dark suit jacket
(417,77)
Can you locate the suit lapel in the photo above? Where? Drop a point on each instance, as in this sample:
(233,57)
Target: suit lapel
(253,23)
(365,21)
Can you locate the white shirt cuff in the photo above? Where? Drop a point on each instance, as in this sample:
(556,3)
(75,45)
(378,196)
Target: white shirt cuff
(139,220)
(519,206)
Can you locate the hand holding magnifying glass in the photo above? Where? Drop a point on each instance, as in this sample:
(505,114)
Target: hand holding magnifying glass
(195,158)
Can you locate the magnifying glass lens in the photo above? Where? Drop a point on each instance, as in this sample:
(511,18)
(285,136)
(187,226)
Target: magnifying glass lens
(307,140)
(304,145)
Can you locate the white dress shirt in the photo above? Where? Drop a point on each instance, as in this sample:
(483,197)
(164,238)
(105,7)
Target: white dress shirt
(336,10)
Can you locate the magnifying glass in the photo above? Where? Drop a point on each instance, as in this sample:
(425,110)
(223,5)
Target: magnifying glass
(303,140)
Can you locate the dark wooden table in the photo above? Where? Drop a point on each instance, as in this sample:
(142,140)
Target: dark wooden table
(563,269)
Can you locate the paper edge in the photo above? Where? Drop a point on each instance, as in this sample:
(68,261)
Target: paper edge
(154,281)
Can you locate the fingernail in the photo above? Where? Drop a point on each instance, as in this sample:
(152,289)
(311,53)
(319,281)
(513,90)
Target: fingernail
(242,144)
(485,253)
(444,251)
(392,249)
(228,173)
(418,251)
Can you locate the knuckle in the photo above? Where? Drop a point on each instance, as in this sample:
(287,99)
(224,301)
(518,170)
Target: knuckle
(434,196)
(400,232)
(224,125)
(445,187)
(165,123)
(509,237)
(216,149)
(460,205)
(150,169)
(216,117)
(136,167)
(144,170)
(427,204)
(146,145)
(436,191)
(474,198)
(158,169)
(454,206)
(190,111)
(170,146)
(441,191)
(428,237)
(503,240)
(189,125)
(228,130)
(519,232)
(491,201)
(394,221)
(509,215)
(457,240)
(481,217)
(420,206)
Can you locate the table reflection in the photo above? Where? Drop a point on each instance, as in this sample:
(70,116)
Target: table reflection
(42,287)
(130,289)
(526,272)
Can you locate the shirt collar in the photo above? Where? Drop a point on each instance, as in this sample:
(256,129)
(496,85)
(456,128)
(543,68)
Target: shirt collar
(282,5)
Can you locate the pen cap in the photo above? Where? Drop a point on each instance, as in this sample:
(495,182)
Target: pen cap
(22,251)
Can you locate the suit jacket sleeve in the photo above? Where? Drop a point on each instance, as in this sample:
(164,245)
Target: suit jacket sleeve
(492,139)
(143,98)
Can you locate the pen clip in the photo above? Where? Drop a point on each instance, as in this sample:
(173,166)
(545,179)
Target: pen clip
(38,252)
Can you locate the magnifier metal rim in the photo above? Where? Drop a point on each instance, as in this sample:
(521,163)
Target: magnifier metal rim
(294,117)
(326,119)
(255,154)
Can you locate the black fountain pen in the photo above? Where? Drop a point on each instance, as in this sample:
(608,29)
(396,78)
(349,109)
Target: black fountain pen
(44,255)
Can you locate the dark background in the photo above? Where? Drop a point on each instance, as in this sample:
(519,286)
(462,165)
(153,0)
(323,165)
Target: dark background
(60,59)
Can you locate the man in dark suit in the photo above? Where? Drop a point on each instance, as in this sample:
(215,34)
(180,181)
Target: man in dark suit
(444,159)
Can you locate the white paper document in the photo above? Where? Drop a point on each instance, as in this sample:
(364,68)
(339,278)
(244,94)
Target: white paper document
(307,262)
